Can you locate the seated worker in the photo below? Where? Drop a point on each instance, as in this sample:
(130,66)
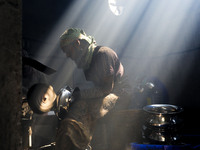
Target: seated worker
(111,90)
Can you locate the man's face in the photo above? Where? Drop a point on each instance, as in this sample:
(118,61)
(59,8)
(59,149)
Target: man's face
(70,51)
(74,52)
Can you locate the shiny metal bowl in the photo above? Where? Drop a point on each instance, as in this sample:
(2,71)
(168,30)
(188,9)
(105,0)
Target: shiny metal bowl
(164,109)
(162,123)
(162,115)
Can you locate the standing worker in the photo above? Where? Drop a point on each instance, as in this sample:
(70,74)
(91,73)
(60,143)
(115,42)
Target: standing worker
(111,91)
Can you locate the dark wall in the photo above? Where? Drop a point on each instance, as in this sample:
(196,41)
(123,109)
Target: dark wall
(10,74)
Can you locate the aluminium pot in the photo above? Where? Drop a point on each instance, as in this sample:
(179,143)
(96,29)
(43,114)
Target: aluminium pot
(162,123)
(163,115)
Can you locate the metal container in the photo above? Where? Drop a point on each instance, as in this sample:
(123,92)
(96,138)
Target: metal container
(162,115)
(162,123)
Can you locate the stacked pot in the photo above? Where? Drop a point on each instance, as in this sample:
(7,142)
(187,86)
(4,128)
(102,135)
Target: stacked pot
(162,124)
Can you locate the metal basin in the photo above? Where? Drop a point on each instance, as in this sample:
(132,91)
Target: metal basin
(162,115)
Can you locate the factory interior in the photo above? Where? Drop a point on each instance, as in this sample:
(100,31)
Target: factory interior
(158,44)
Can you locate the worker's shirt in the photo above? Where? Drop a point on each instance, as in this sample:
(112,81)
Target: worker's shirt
(105,71)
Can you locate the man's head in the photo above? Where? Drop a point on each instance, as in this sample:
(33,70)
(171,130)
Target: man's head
(76,45)
(72,34)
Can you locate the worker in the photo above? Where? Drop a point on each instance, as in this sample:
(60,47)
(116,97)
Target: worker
(110,90)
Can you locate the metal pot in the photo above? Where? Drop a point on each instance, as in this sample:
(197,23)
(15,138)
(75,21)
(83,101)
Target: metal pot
(162,115)
(162,123)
